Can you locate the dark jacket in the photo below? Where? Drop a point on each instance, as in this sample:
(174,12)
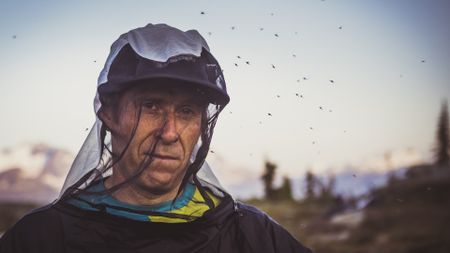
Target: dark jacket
(230,227)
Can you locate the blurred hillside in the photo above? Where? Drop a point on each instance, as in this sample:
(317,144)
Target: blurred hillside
(407,215)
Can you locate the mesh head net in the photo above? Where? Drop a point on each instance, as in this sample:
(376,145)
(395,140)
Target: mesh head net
(144,56)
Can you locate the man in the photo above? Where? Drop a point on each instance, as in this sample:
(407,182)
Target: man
(140,182)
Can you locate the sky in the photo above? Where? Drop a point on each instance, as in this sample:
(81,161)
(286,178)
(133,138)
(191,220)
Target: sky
(321,85)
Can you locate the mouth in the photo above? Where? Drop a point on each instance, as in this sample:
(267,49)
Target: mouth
(163,156)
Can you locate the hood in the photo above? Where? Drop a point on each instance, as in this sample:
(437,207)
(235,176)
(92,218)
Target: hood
(161,46)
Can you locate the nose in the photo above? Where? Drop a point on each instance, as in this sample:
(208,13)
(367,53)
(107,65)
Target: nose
(169,132)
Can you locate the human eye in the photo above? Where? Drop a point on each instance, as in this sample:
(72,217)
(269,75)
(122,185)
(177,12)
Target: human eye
(150,106)
(188,112)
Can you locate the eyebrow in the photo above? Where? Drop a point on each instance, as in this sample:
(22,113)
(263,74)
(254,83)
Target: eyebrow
(188,99)
(194,100)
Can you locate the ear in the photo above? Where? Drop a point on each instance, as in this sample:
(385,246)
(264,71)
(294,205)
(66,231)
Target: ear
(107,117)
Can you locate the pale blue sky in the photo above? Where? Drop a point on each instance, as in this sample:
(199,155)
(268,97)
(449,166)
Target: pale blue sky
(383,96)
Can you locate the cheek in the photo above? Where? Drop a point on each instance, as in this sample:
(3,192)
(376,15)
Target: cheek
(191,136)
(126,121)
(194,132)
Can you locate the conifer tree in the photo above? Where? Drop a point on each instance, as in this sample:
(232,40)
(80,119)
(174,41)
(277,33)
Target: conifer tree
(441,150)
(286,189)
(311,182)
(268,177)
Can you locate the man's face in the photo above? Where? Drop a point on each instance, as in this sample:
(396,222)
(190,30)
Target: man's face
(169,118)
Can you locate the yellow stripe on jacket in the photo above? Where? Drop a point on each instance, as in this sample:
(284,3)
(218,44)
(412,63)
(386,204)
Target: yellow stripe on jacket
(195,208)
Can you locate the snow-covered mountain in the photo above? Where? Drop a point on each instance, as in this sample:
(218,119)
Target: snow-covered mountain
(32,173)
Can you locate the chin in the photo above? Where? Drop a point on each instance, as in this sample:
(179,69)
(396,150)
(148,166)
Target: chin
(157,185)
